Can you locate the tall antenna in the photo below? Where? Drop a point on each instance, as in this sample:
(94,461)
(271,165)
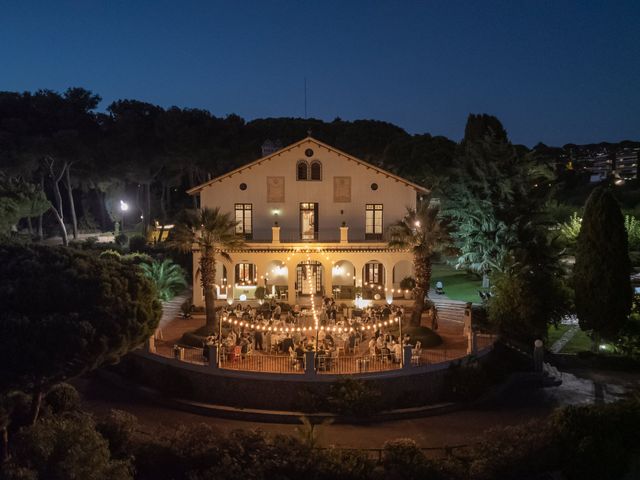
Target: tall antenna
(305,97)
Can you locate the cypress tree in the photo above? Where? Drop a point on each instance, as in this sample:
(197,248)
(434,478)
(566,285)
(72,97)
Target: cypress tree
(602,284)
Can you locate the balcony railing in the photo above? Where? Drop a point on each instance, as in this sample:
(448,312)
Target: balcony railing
(328,235)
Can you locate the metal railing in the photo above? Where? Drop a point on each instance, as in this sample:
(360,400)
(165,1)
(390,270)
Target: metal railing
(193,355)
(347,365)
(233,360)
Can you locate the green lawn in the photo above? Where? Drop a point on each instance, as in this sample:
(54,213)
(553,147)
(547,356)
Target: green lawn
(554,334)
(458,285)
(581,342)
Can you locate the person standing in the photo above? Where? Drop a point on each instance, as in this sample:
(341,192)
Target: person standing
(258,340)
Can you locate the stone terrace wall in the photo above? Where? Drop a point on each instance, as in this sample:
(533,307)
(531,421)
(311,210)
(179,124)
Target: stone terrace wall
(404,388)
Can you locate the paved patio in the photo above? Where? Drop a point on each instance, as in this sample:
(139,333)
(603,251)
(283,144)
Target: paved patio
(450,329)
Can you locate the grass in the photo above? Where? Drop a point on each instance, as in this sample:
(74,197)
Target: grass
(554,334)
(458,284)
(581,342)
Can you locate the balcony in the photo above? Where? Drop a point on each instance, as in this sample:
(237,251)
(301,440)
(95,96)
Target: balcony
(281,235)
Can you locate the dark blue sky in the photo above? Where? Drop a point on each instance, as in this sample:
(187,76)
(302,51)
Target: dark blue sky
(552,71)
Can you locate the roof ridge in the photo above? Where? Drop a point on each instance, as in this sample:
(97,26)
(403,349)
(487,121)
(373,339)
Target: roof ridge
(320,143)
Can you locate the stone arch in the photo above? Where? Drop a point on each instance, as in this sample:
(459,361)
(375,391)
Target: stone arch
(276,279)
(343,279)
(303,270)
(373,279)
(401,270)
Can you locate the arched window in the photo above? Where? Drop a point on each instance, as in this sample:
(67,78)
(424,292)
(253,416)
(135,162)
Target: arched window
(316,170)
(302,170)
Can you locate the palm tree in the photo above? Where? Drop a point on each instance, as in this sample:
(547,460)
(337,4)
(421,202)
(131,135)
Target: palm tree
(211,232)
(167,276)
(424,232)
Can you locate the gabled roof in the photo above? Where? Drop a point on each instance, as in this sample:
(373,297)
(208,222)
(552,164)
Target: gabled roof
(415,186)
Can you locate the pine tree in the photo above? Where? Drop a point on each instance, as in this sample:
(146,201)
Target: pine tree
(601,274)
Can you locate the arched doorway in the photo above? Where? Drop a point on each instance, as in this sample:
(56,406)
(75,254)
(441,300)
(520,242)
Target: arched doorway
(343,279)
(275,279)
(373,276)
(309,278)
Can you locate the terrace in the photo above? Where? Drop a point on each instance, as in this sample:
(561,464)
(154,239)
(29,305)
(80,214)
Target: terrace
(343,355)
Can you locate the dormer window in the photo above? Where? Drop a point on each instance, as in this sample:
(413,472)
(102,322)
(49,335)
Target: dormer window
(316,170)
(302,170)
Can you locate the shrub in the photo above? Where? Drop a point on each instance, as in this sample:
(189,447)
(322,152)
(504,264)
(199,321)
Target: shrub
(63,398)
(136,258)
(354,397)
(122,239)
(463,383)
(168,277)
(260,293)
(513,452)
(110,254)
(118,429)
(597,441)
(67,447)
(310,401)
(408,283)
(137,243)
(402,459)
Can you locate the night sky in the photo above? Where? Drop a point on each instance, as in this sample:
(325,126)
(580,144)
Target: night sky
(554,71)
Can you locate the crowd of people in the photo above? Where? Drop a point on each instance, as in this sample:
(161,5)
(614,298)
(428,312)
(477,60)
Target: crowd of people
(274,328)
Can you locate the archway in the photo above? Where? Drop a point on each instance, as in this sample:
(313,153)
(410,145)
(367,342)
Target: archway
(343,279)
(309,278)
(275,279)
(373,277)
(401,270)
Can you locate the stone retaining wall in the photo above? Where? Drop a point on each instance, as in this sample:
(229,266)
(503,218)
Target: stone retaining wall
(286,392)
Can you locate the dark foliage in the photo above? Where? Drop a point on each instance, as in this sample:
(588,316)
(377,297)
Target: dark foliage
(66,312)
(602,285)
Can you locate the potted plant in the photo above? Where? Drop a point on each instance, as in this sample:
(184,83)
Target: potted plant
(407,284)
(260,293)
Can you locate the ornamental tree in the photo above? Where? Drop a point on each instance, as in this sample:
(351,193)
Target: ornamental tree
(211,232)
(602,284)
(65,313)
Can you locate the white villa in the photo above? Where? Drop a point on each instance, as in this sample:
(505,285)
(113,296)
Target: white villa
(314,220)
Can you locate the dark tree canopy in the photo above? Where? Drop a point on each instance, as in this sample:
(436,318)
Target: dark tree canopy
(65,312)
(602,284)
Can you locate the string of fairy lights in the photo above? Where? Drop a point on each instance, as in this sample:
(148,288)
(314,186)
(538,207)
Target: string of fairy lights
(309,272)
(252,326)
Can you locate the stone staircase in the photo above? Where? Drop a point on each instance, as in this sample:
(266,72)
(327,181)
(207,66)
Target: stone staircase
(552,376)
(172,308)
(450,310)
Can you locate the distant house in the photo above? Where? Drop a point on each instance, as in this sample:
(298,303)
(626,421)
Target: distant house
(314,220)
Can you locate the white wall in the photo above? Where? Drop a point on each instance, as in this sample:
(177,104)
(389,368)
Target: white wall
(393,194)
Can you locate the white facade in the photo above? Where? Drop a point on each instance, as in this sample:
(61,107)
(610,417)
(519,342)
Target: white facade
(335,217)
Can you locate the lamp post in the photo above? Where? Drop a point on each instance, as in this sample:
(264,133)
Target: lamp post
(124,206)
